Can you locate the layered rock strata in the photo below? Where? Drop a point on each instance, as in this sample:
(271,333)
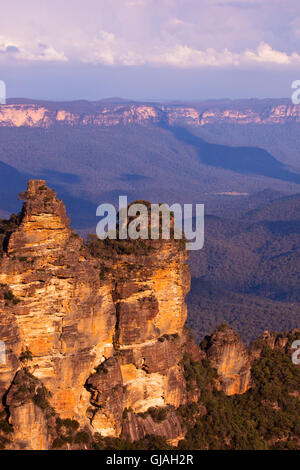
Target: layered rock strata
(103,334)
(113,114)
(229,356)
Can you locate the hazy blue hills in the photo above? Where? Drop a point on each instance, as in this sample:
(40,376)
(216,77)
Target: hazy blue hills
(248,272)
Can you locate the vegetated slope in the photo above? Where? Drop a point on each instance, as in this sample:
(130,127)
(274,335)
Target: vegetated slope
(243,160)
(249,314)
(94,165)
(265,417)
(248,271)
(282,141)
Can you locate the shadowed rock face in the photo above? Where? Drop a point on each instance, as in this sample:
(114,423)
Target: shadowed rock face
(126,326)
(229,356)
(29,420)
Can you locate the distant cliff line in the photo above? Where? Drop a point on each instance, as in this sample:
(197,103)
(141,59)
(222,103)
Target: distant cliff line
(45,114)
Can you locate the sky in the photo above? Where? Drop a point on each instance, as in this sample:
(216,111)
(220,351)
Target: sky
(149,49)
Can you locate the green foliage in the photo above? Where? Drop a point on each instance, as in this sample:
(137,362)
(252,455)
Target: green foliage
(82,437)
(66,425)
(110,248)
(4,442)
(58,443)
(8,296)
(249,314)
(247,274)
(267,413)
(158,414)
(68,434)
(148,443)
(223,327)
(103,272)
(197,375)
(169,337)
(26,355)
(101,369)
(5,427)
(41,397)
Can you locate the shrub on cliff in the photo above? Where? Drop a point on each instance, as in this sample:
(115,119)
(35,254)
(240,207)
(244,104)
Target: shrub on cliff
(158,414)
(148,443)
(26,355)
(82,437)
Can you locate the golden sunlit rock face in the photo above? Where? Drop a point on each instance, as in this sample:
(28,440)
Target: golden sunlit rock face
(59,310)
(229,356)
(100,344)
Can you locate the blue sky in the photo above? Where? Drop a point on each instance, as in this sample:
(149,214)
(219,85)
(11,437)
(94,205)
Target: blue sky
(149,49)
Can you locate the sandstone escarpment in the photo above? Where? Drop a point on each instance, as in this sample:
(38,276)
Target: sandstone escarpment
(101,332)
(113,114)
(229,356)
(53,303)
(150,282)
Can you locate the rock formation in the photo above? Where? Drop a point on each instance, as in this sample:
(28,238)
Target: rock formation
(102,334)
(279,341)
(94,333)
(229,356)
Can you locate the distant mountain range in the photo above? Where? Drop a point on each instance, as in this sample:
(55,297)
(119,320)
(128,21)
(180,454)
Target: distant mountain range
(111,112)
(212,152)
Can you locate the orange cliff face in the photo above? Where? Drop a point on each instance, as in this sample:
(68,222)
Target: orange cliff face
(100,345)
(229,356)
(59,309)
(108,115)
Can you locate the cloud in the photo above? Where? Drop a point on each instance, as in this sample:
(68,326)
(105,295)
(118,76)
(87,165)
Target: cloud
(136,3)
(240,4)
(265,54)
(30,52)
(167,33)
(109,50)
(12,49)
(103,49)
(186,57)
